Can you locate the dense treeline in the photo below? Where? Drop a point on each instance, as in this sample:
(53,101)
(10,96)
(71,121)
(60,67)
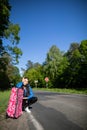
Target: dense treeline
(9,51)
(64,70)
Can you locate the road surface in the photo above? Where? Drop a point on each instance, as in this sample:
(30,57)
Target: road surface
(53,111)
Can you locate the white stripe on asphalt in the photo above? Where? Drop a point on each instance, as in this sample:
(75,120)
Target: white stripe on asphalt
(36,124)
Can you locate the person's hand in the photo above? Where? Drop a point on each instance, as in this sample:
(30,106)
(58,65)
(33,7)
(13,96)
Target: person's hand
(25,97)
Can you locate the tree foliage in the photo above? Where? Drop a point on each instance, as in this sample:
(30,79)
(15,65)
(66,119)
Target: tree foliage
(76,71)
(53,65)
(64,70)
(34,73)
(9,51)
(4,16)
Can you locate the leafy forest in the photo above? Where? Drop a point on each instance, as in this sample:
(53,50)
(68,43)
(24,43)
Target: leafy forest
(63,69)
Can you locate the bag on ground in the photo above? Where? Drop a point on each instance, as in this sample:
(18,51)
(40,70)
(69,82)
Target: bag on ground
(14,108)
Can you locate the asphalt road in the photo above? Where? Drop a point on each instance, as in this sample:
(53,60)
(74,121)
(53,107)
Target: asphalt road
(56,111)
(53,111)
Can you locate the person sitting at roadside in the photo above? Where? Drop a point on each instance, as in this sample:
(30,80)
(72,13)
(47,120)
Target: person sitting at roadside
(28,95)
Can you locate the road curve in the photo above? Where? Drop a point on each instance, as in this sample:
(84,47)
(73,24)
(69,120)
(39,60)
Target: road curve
(53,111)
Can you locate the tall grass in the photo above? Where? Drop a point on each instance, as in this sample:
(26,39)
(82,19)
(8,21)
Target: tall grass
(4,98)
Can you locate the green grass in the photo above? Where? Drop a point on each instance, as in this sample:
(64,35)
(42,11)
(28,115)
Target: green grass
(59,90)
(4,96)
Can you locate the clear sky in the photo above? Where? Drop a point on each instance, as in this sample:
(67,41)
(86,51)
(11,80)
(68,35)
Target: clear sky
(48,22)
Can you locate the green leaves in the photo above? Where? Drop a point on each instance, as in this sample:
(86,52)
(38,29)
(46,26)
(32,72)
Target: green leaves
(5,10)
(54,57)
(12,33)
(83,49)
(9,31)
(4,16)
(77,71)
(17,52)
(34,73)
(9,51)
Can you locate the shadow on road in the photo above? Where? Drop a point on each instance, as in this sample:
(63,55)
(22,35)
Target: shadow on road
(52,119)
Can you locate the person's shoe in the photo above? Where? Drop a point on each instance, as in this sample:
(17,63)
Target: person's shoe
(27,110)
(30,107)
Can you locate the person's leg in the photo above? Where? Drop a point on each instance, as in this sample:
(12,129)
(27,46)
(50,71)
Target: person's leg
(24,104)
(32,100)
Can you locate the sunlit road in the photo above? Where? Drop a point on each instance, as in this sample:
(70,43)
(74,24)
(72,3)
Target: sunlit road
(52,111)
(55,111)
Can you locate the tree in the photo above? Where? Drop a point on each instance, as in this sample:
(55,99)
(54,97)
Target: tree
(9,51)
(29,64)
(52,63)
(13,74)
(71,71)
(54,56)
(76,74)
(83,51)
(83,64)
(4,20)
(4,16)
(73,47)
(10,31)
(8,72)
(34,73)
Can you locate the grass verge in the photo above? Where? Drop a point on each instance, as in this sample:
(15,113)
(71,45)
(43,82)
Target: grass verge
(4,97)
(59,90)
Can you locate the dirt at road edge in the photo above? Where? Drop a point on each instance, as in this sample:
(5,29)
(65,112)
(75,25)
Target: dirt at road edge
(14,124)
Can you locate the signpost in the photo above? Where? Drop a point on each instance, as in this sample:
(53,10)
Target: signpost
(46,80)
(36,81)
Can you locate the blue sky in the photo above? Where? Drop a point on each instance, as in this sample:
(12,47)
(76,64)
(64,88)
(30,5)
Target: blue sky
(48,22)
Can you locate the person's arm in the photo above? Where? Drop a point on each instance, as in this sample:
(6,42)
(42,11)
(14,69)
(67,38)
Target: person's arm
(31,94)
(19,85)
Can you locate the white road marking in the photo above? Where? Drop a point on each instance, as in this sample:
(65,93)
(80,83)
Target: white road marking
(36,124)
